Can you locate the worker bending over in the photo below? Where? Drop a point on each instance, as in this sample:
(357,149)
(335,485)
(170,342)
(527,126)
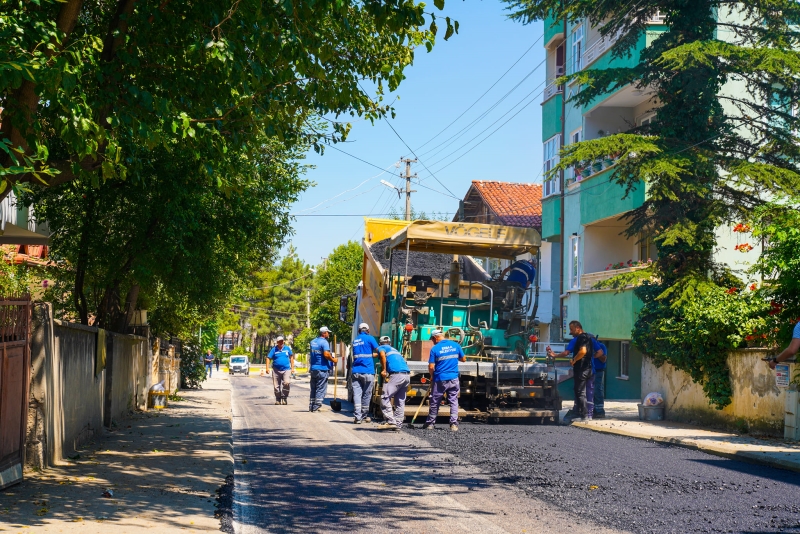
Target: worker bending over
(443,366)
(396,373)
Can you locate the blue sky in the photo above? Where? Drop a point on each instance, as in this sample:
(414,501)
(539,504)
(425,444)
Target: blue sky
(439,87)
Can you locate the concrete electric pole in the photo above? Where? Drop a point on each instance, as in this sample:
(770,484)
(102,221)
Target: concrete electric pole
(408,191)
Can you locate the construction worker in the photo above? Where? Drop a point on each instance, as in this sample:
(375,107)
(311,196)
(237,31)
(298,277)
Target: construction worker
(443,366)
(282,359)
(396,373)
(321,361)
(582,347)
(363,372)
(521,271)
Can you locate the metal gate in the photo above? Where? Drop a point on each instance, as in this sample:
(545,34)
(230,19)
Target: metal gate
(15,370)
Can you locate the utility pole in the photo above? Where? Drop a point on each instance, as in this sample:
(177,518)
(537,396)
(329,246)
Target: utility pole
(408,177)
(308,308)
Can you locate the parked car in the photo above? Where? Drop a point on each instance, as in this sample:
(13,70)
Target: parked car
(239,364)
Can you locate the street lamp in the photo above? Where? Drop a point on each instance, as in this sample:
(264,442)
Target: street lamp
(392,186)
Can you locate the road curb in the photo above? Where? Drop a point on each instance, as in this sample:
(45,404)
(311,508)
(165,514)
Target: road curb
(745,456)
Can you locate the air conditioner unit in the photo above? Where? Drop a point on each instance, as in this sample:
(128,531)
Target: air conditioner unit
(560,70)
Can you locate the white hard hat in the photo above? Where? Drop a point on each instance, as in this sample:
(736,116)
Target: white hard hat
(363,326)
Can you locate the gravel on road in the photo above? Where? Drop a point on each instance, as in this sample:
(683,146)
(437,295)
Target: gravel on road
(626,483)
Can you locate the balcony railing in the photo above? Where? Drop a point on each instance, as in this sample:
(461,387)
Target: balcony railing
(599,47)
(587,169)
(551,90)
(589,280)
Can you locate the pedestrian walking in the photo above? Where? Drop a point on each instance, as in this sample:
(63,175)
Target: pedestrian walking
(363,373)
(581,348)
(396,373)
(789,351)
(282,359)
(208,360)
(216,362)
(599,394)
(443,366)
(321,361)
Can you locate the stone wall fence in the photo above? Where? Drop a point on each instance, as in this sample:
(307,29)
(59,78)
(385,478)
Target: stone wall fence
(758,405)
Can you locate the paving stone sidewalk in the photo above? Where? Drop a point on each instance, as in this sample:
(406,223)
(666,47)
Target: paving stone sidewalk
(622,418)
(163,467)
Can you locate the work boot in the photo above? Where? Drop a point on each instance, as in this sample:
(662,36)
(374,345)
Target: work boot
(356,421)
(387,426)
(429,426)
(278,401)
(599,415)
(285,402)
(454,428)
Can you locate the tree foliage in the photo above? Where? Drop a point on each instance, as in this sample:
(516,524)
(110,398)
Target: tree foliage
(167,239)
(83,83)
(338,276)
(723,80)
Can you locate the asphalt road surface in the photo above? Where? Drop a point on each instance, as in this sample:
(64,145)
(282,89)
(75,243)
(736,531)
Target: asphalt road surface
(297,471)
(301,472)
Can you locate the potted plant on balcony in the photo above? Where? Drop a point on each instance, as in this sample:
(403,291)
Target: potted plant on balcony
(609,161)
(597,165)
(586,170)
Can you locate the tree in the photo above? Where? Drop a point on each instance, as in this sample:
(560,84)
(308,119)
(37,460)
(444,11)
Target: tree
(337,277)
(166,239)
(710,156)
(83,84)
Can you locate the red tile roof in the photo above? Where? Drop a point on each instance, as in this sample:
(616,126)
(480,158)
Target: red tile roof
(513,204)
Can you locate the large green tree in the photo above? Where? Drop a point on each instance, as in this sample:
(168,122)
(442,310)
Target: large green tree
(167,239)
(83,83)
(724,80)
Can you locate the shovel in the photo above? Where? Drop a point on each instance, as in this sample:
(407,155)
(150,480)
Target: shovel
(421,403)
(336,404)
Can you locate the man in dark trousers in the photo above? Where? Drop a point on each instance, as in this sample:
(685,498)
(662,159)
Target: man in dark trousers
(443,366)
(321,362)
(208,360)
(581,348)
(363,370)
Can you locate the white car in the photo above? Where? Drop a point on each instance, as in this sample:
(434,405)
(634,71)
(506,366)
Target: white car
(239,364)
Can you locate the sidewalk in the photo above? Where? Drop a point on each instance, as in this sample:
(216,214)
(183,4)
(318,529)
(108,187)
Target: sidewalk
(163,467)
(622,418)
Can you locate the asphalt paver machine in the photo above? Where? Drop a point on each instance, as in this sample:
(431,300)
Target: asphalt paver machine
(423,277)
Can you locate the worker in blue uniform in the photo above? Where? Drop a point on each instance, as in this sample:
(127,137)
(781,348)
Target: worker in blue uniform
(443,366)
(397,375)
(521,271)
(363,373)
(321,362)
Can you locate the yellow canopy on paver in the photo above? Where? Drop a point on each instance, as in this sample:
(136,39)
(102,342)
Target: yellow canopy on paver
(473,239)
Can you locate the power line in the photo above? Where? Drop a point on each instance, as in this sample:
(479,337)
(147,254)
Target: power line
(484,93)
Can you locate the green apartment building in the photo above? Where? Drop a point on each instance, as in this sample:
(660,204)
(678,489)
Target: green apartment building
(582,210)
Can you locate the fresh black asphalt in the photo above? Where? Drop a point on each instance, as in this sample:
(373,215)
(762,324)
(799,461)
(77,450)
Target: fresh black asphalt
(626,483)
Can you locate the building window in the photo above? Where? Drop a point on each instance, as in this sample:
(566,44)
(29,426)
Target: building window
(574,263)
(551,147)
(624,359)
(645,119)
(575,137)
(577,49)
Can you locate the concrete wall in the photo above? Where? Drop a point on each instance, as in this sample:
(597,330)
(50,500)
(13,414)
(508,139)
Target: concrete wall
(757,405)
(69,402)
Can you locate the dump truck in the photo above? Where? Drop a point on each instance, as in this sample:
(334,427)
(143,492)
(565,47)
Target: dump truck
(419,276)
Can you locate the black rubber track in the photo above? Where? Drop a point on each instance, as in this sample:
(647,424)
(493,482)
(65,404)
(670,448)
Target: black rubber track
(627,483)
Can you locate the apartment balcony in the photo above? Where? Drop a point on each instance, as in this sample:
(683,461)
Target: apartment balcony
(551,218)
(552,90)
(609,314)
(602,199)
(601,45)
(589,280)
(551,116)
